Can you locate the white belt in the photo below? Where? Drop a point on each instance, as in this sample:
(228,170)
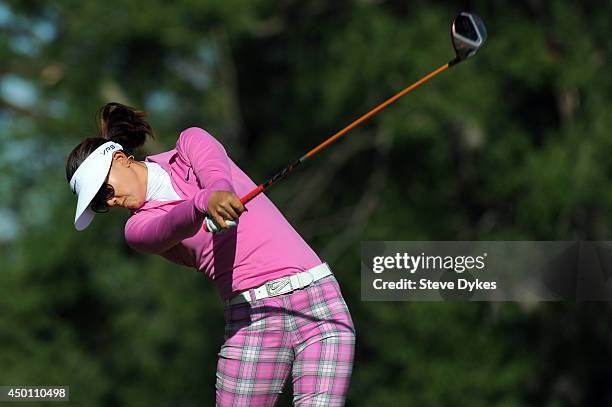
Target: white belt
(283,285)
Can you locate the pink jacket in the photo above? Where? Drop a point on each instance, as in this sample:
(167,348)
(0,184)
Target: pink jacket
(264,246)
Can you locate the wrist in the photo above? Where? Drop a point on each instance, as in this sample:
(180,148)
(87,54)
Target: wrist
(203,195)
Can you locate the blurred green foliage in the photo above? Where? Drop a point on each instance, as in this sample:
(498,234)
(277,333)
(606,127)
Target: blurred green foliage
(513,144)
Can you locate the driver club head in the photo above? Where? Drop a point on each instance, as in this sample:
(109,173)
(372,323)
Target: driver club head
(469,34)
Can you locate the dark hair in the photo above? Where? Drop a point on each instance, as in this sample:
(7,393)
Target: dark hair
(116,122)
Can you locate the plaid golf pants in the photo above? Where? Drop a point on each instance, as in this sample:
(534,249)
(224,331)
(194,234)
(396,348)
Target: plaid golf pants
(308,332)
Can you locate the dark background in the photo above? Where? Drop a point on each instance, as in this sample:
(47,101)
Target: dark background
(513,144)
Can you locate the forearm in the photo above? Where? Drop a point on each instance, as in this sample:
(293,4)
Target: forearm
(157,233)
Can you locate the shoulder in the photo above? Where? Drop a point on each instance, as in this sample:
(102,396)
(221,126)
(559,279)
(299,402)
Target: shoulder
(193,131)
(131,230)
(134,219)
(196,140)
(136,233)
(194,135)
(134,229)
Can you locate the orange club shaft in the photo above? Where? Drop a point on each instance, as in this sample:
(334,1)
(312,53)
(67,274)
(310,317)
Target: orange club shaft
(281,174)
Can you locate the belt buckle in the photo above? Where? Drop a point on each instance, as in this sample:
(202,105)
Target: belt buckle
(276,287)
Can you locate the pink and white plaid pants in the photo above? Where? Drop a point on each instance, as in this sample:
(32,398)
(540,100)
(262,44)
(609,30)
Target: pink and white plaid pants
(308,332)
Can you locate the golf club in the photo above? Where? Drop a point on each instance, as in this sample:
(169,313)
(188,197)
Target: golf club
(468,34)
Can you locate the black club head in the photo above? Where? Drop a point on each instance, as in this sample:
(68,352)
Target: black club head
(469,34)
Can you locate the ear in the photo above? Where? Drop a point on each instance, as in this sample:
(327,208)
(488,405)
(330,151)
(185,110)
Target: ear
(121,158)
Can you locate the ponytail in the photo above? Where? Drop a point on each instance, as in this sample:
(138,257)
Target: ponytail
(124,125)
(116,122)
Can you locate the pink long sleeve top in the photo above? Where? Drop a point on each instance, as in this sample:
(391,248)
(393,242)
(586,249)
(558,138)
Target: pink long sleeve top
(263,246)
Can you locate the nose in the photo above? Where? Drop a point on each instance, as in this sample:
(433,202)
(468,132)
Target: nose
(111,202)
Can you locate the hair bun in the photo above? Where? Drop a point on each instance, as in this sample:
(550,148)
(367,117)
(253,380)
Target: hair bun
(124,125)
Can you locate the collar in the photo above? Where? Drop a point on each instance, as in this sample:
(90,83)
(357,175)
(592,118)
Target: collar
(163,159)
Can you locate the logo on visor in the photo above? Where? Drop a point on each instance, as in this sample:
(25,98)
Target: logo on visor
(107,149)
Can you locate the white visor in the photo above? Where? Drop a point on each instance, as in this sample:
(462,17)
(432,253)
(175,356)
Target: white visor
(87,180)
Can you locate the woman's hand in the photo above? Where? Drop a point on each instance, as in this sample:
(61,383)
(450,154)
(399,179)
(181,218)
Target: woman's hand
(224,205)
(211,225)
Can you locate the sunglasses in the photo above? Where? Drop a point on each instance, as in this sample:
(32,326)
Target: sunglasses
(106,192)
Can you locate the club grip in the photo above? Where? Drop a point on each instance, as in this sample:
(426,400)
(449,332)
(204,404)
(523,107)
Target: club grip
(244,200)
(252,194)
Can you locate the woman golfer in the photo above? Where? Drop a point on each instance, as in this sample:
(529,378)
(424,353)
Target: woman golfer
(284,311)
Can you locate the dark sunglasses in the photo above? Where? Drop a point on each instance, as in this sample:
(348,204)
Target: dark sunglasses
(106,192)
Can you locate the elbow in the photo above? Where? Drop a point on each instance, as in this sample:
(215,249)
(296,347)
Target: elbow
(137,240)
(142,246)
(157,241)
